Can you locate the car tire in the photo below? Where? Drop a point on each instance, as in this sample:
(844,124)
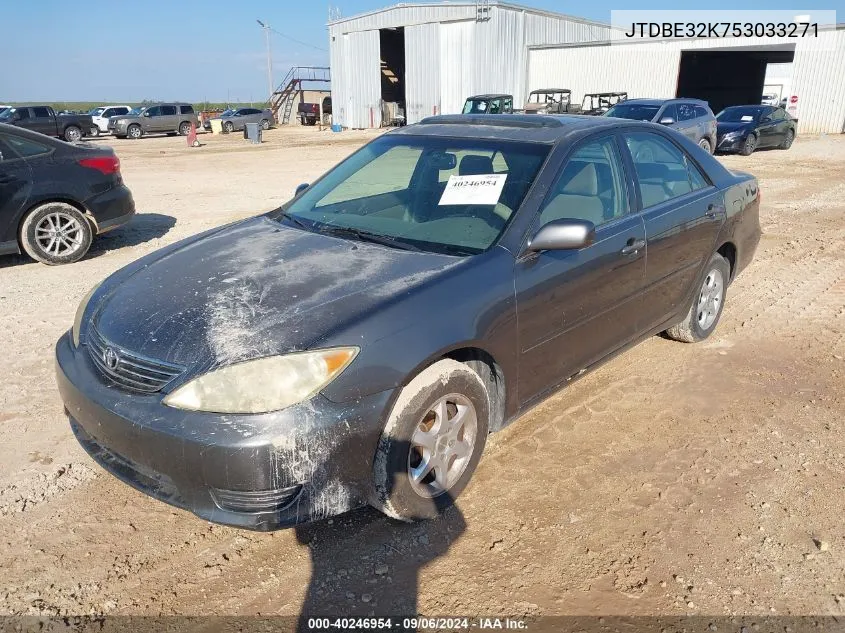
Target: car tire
(38,242)
(425,413)
(749,145)
(95,132)
(303,120)
(707,304)
(72,134)
(705,145)
(134,132)
(265,124)
(787,141)
(228,127)
(185,128)
(312,121)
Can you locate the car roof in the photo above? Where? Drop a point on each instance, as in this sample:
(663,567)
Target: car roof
(492,95)
(537,128)
(541,90)
(604,94)
(659,102)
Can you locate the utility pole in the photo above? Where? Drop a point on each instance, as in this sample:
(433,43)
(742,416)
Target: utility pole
(270,85)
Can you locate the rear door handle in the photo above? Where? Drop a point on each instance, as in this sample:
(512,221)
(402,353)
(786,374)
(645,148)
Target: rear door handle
(633,247)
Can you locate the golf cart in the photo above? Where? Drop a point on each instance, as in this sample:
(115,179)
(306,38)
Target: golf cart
(489,104)
(550,101)
(597,103)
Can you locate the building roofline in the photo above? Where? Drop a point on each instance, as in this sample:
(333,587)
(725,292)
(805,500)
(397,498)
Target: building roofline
(465,3)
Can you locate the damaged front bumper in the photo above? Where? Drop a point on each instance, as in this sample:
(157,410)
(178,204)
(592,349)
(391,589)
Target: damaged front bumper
(259,472)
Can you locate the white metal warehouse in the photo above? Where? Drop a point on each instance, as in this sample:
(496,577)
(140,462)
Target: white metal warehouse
(430,57)
(433,56)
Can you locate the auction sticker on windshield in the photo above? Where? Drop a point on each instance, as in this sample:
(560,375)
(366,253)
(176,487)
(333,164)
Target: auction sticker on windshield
(482,189)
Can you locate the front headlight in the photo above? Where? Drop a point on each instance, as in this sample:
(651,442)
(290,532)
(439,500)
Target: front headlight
(80,312)
(731,136)
(263,385)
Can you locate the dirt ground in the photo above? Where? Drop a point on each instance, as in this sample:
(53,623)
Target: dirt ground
(700,479)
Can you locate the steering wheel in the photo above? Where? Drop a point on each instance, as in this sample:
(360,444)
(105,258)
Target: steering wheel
(484,212)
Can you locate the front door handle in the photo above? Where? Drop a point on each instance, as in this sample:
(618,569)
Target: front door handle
(633,247)
(712,211)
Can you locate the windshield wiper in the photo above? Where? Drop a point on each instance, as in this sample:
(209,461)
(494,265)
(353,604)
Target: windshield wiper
(296,220)
(364,236)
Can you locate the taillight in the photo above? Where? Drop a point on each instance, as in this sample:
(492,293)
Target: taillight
(315,107)
(104,164)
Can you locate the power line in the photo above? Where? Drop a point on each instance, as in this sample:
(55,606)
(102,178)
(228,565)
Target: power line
(293,39)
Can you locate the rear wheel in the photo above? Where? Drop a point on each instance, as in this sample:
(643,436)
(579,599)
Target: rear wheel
(133,131)
(229,126)
(787,141)
(56,233)
(707,304)
(265,124)
(95,131)
(749,145)
(72,134)
(432,442)
(302,120)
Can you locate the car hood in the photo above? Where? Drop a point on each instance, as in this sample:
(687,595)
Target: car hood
(724,128)
(254,289)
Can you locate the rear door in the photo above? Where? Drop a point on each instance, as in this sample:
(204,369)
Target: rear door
(683,213)
(576,306)
(782,124)
(687,123)
(768,129)
(15,187)
(169,118)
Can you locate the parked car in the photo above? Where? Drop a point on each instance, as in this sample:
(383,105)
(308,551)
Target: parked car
(43,119)
(207,122)
(691,117)
(597,103)
(489,104)
(550,101)
(171,118)
(743,129)
(309,113)
(3,108)
(770,98)
(236,119)
(356,347)
(101,115)
(55,196)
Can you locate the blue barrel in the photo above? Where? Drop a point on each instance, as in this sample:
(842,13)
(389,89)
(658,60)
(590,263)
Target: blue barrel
(336,127)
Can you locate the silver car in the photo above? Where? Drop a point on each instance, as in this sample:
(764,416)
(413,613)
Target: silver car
(171,118)
(691,117)
(234,120)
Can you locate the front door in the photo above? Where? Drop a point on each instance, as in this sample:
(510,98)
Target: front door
(15,185)
(683,214)
(576,306)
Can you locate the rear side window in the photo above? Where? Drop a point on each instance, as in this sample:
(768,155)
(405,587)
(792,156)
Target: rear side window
(702,112)
(779,114)
(664,171)
(168,110)
(186,109)
(26,147)
(686,112)
(23,113)
(669,111)
(41,112)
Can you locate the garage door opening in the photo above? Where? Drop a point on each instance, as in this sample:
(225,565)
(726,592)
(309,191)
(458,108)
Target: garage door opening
(728,77)
(392,43)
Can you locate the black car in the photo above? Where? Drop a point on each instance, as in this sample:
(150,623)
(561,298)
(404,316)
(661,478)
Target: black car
(358,344)
(746,128)
(55,196)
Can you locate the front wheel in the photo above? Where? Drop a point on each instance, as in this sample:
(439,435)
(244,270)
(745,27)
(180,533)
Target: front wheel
(185,128)
(787,141)
(707,304)
(229,127)
(265,124)
(749,145)
(432,442)
(72,134)
(95,132)
(133,131)
(705,145)
(56,233)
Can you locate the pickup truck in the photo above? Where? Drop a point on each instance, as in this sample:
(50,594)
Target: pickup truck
(43,119)
(309,113)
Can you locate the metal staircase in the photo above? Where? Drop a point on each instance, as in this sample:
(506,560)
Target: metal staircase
(284,97)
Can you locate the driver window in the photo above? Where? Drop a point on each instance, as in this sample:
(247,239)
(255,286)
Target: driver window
(154,111)
(590,187)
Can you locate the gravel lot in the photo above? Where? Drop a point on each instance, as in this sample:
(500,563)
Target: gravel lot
(677,479)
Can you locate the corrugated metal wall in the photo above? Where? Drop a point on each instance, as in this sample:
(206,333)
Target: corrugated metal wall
(422,71)
(356,88)
(457,51)
(651,70)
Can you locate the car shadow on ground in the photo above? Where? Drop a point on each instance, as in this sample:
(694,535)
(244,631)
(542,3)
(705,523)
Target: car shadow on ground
(365,564)
(142,228)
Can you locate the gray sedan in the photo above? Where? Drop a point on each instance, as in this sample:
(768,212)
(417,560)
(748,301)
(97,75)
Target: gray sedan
(358,344)
(236,119)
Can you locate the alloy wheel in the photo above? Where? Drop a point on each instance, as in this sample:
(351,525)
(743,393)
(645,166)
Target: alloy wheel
(710,299)
(59,234)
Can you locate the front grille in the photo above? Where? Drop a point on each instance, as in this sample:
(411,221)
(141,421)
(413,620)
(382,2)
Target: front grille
(129,371)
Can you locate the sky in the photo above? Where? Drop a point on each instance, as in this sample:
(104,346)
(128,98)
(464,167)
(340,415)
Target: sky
(56,50)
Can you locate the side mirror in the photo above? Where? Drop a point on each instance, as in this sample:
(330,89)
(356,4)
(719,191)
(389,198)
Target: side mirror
(146,114)
(301,188)
(563,234)
(667,120)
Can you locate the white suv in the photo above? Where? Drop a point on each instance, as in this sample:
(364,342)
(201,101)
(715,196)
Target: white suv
(100,116)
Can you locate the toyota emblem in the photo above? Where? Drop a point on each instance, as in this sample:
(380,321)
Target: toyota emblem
(110,358)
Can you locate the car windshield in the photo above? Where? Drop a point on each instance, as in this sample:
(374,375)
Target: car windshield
(476,106)
(633,111)
(227,112)
(444,195)
(7,113)
(135,111)
(740,114)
